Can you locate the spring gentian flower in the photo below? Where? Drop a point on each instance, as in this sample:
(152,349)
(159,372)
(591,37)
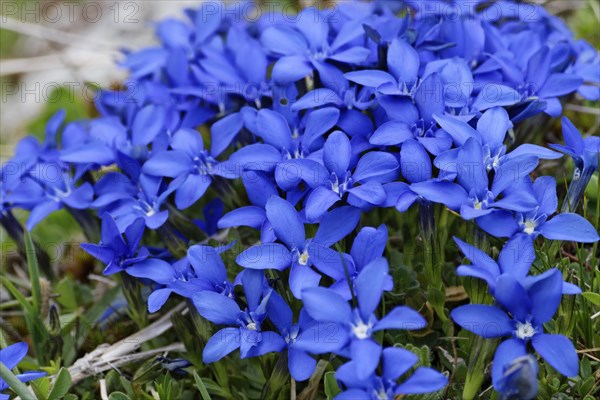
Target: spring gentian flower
(207,272)
(519,379)
(395,363)
(297,251)
(300,364)
(357,326)
(189,161)
(585,153)
(10,356)
(333,181)
(515,259)
(116,252)
(564,226)
(368,245)
(304,47)
(529,310)
(244,329)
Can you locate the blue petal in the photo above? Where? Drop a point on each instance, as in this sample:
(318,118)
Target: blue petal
(365,357)
(316,98)
(499,223)
(321,338)
(512,296)
(300,364)
(397,361)
(369,286)
(373,165)
(506,353)
(157,299)
(318,202)
(415,162)
(391,133)
(274,129)
(285,221)
(545,296)
(336,225)
(444,192)
(403,61)
(283,41)
(485,321)
(353,55)
(423,380)
(207,263)
(153,268)
(493,125)
(459,130)
(559,84)
(168,163)
(13,354)
(148,123)
(512,172)
(401,317)
(370,78)
(265,256)
(216,308)
(517,255)
(302,277)
(326,306)
(569,226)
(558,351)
(279,312)
(336,153)
(221,344)
(289,174)
(191,190)
(290,69)
(251,216)
(224,131)
(371,192)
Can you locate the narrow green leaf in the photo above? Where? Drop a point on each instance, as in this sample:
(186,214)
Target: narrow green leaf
(27,308)
(593,298)
(15,384)
(331,387)
(201,387)
(61,384)
(34,272)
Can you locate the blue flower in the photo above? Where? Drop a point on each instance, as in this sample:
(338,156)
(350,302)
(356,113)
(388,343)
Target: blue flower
(207,273)
(563,226)
(519,379)
(331,182)
(113,250)
(300,364)
(10,356)
(305,46)
(297,251)
(244,329)
(515,259)
(585,153)
(396,362)
(356,326)
(529,309)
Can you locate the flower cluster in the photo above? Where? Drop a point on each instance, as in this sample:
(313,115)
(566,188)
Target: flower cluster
(325,118)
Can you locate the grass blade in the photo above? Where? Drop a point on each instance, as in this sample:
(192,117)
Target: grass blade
(34,272)
(201,387)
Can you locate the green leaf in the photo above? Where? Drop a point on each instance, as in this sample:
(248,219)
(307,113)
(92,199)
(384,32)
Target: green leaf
(41,387)
(15,384)
(61,384)
(593,298)
(27,308)
(34,272)
(331,387)
(201,387)
(118,396)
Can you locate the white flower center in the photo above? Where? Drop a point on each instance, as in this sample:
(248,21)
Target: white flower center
(361,330)
(303,259)
(251,326)
(530,226)
(477,205)
(525,331)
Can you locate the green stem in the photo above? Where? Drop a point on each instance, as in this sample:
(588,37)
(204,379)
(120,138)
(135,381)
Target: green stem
(15,384)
